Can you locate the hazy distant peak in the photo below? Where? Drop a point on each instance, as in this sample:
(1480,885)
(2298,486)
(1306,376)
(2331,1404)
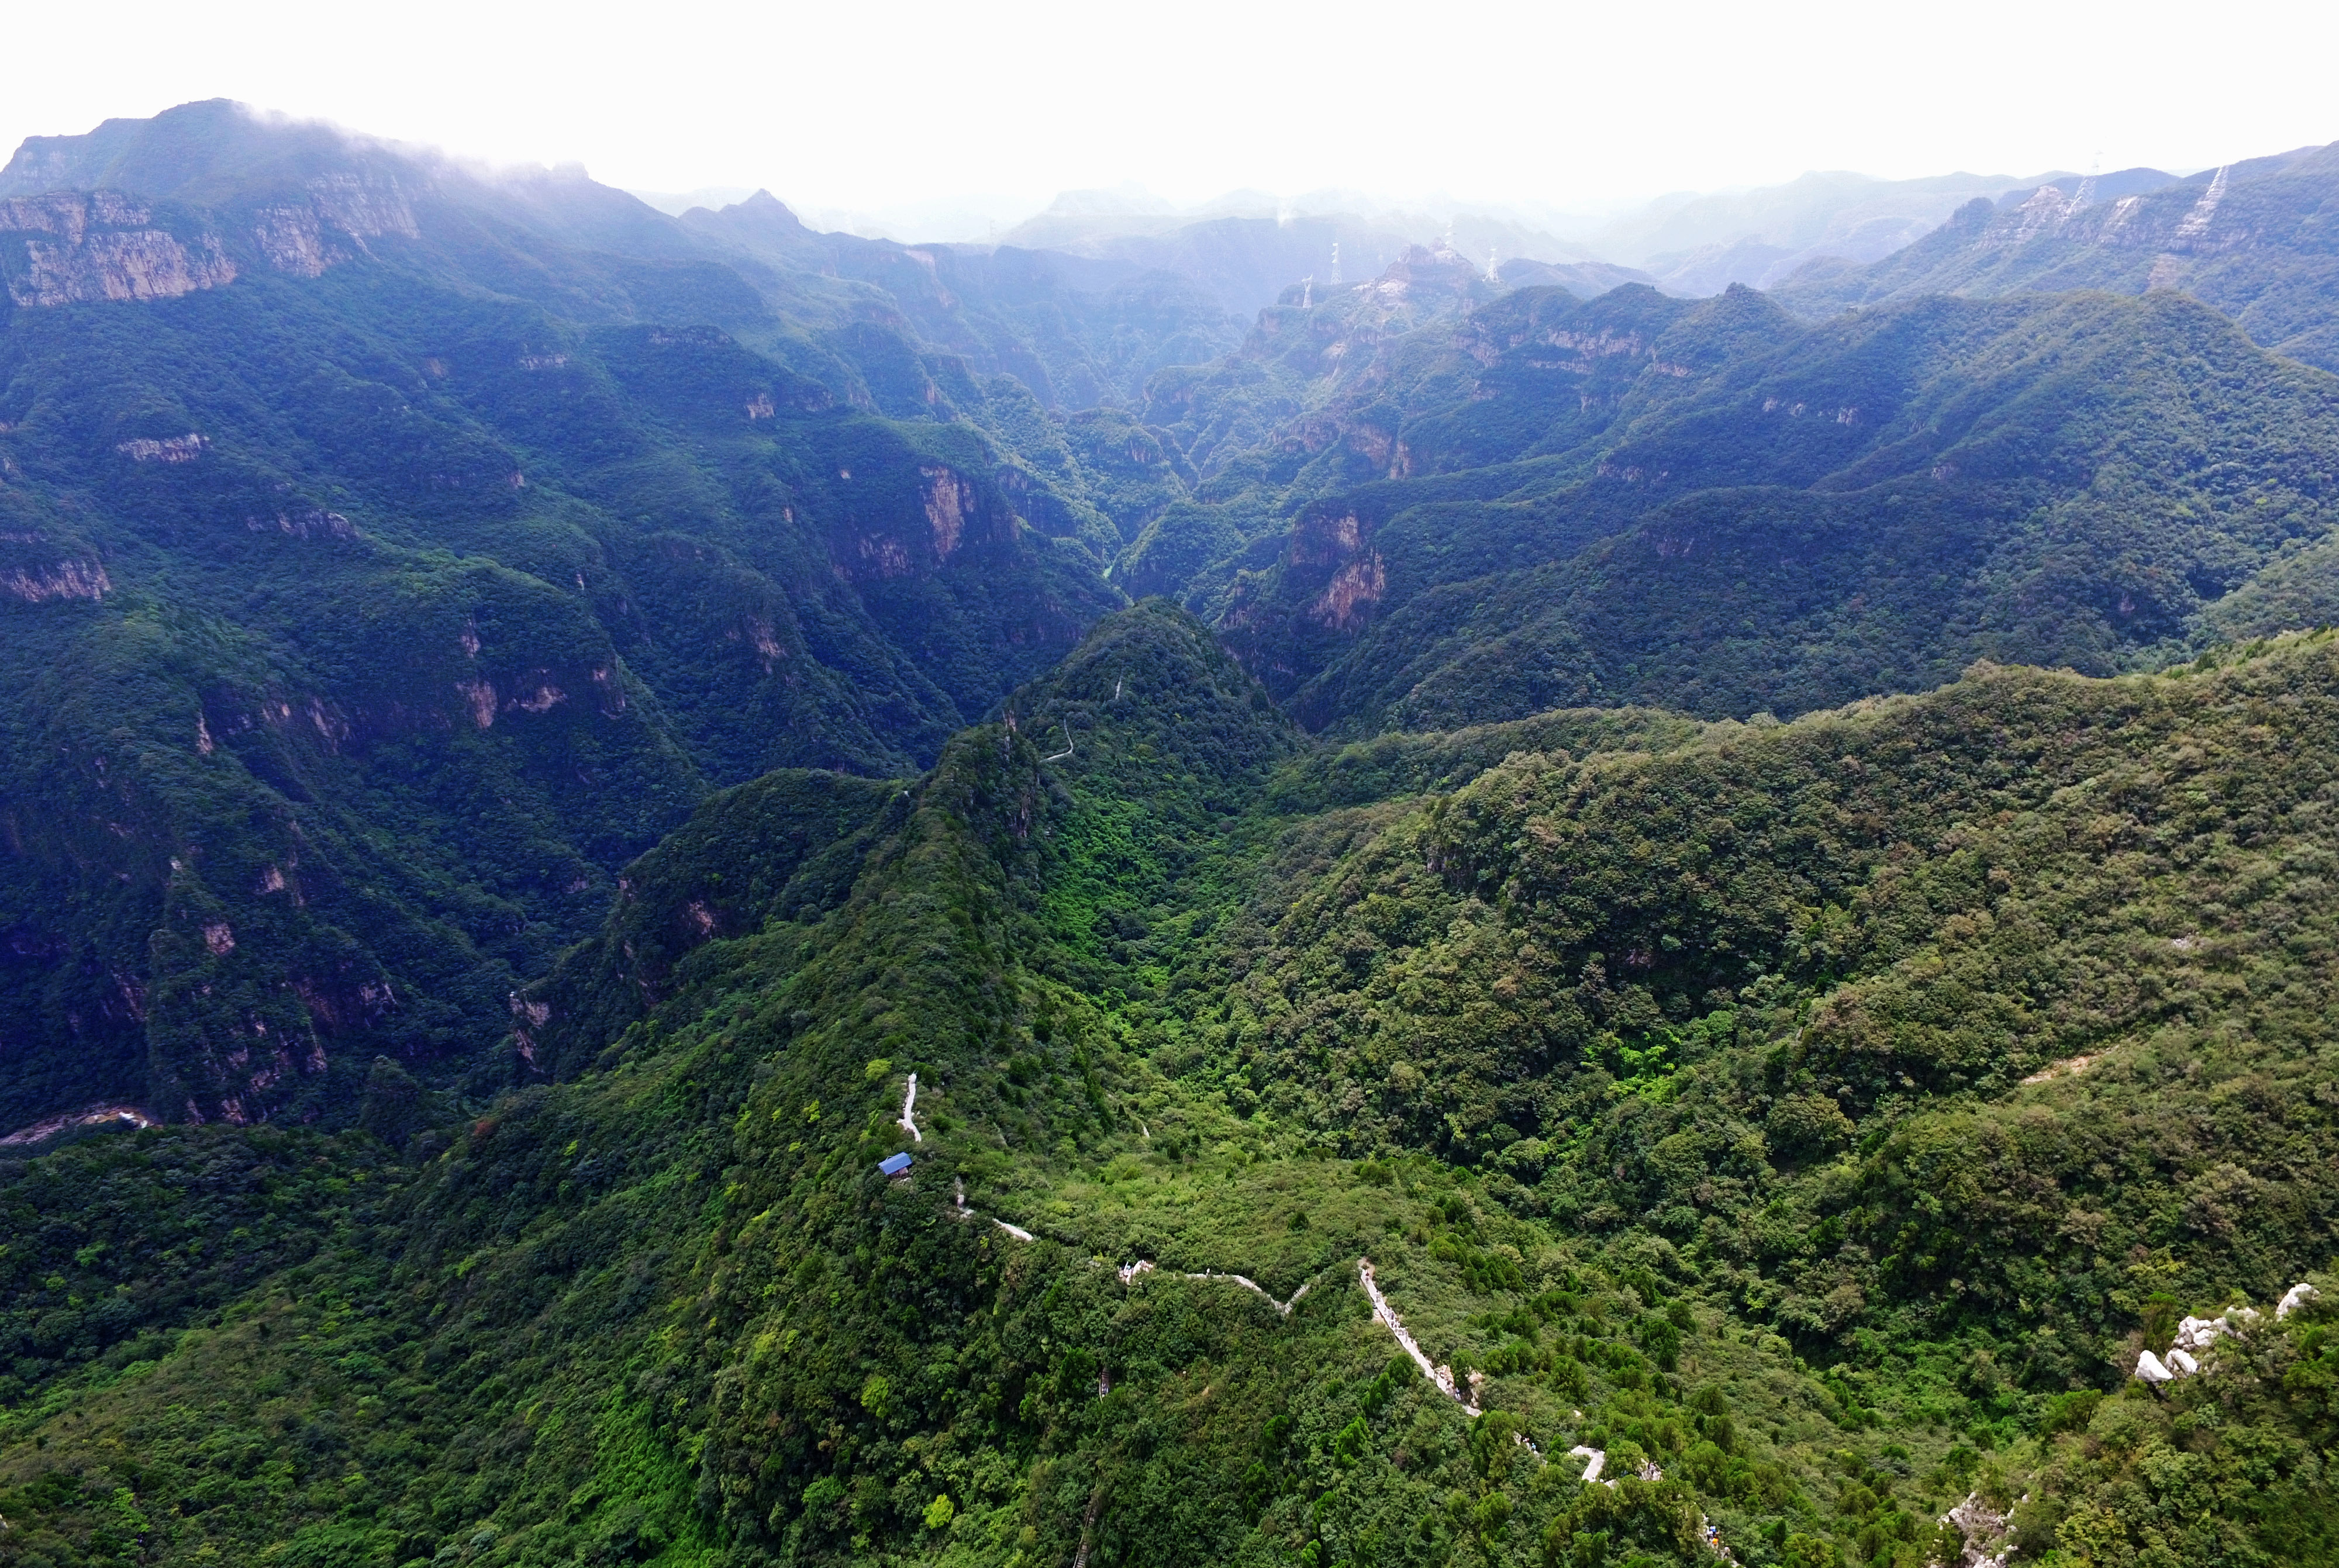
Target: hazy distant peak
(761,215)
(1127,199)
(675,203)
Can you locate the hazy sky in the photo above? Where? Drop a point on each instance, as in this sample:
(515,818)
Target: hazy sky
(860,105)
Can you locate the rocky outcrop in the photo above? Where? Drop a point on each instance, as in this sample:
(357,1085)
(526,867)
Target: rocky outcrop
(183,449)
(952,513)
(2188,1350)
(1352,593)
(72,248)
(1986,1533)
(949,502)
(76,247)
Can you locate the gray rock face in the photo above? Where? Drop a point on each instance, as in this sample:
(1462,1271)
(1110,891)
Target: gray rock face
(72,248)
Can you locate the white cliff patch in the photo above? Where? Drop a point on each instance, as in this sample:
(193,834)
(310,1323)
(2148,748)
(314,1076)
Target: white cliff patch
(1988,1534)
(63,580)
(306,238)
(183,449)
(2196,221)
(294,242)
(949,504)
(95,1116)
(481,697)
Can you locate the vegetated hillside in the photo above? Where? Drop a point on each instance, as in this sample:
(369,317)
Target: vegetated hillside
(362,622)
(1711,506)
(2252,238)
(1818,1119)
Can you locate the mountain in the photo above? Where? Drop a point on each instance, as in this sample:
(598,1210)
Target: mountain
(2251,239)
(1700,244)
(1247,246)
(398,549)
(679,891)
(1533,500)
(1076,332)
(393,554)
(302,198)
(1809,1125)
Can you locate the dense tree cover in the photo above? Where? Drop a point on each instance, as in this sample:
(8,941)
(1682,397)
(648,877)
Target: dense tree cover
(782,847)
(114,1241)
(1821,1115)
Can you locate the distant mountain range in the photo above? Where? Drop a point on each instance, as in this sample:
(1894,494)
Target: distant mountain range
(1686,244)
(2255,239)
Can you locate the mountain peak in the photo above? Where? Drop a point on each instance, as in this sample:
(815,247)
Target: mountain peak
(200,153)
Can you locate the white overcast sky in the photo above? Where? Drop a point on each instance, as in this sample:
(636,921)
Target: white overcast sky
(1575,105)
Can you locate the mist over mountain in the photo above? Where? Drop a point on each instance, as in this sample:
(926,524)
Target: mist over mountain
(1295,882)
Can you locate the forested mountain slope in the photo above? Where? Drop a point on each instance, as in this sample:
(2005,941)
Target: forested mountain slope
(2253,239)
(396,550)
(1822,1115)
(1711,506)
(385,561)
(545,740)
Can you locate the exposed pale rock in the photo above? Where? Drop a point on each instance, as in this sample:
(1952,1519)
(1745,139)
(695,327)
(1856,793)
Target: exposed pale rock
(2197,1334)
(305,239)
(950,503)
(63,580)
(93,246)
(2298,1295)
(1988,1535)
(2150,1367)
(183,449)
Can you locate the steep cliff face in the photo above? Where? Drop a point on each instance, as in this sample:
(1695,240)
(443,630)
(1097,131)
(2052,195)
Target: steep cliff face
(331,219)
(71,248)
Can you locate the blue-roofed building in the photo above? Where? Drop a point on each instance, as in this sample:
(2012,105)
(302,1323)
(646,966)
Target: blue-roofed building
(894,1164)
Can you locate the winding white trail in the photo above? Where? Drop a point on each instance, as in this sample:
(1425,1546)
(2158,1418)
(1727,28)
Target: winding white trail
(1441,1376)
(958,1195)
(1130,1273)
(909,1103)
